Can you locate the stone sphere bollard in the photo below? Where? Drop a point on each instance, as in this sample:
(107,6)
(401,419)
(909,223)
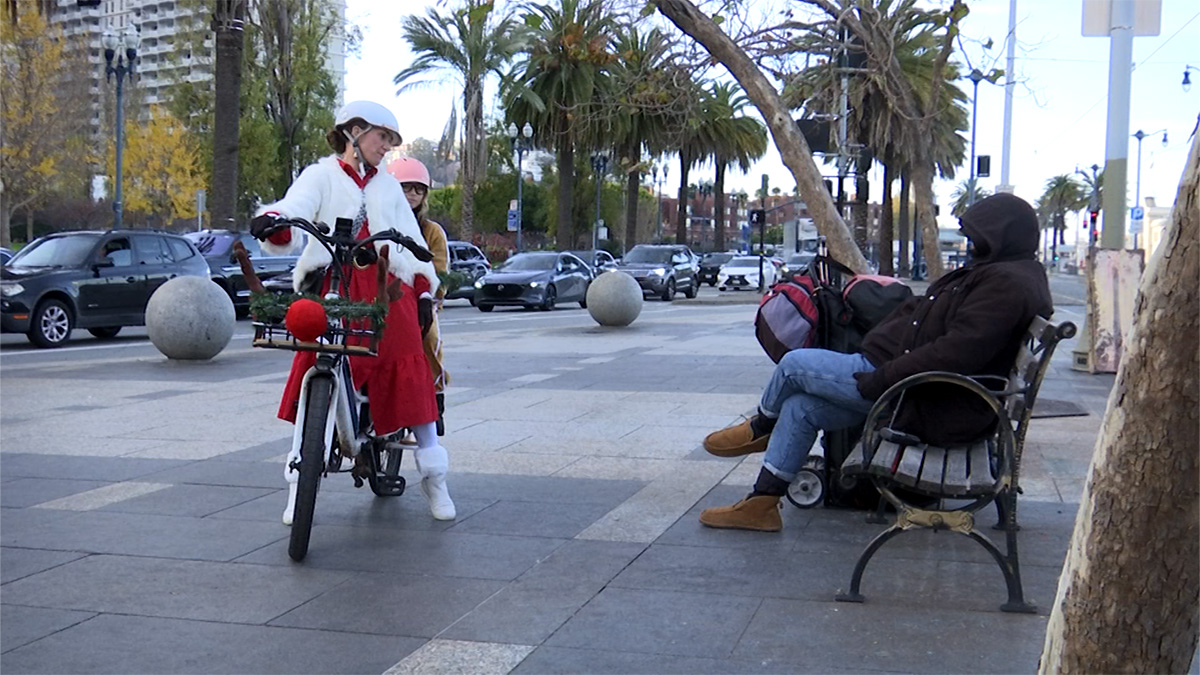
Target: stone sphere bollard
(190,318)
(614,299)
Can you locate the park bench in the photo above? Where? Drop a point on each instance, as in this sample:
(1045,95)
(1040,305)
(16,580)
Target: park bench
(906,470)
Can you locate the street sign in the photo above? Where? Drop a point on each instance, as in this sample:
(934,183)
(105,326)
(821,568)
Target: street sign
(1136,215)
(512,220)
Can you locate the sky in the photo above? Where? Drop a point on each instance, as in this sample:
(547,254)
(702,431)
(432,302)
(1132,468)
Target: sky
(1059,108)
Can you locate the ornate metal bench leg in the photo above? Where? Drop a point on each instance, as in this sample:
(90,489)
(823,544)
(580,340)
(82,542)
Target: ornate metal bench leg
(1001,518)
(859,567)
(877,517)
(1012,572)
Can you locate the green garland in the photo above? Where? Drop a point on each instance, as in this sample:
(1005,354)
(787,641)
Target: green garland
(273,307)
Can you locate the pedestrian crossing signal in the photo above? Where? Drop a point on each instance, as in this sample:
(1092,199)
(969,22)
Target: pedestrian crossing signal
(758,216)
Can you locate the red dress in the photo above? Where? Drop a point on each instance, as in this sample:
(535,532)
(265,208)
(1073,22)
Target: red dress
(399,382)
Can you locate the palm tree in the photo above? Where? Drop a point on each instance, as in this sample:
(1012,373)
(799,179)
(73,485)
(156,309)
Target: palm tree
(962,197)
(1063,193)
(874,120)
(228,19)
(641,114)
(558,87)
(737,139)
(696,145)
(471,42)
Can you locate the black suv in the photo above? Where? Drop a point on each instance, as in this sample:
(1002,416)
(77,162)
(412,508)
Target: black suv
(469,260)
(217,248)
(663,269)
(100,281)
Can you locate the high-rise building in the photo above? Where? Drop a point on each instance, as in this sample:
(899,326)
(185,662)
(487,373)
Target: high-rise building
(163,60)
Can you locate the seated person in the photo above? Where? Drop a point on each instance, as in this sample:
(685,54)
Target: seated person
(971,322)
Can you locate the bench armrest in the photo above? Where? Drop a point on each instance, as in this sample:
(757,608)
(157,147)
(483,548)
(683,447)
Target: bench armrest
(890,400)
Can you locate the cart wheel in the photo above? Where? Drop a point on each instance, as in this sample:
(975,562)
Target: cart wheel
(808,489)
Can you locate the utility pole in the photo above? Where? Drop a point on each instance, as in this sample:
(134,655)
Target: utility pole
(1009,84)
(843,113)
(762,232)
(1116,146)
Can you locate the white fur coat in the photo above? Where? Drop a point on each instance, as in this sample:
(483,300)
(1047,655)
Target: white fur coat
(323,193)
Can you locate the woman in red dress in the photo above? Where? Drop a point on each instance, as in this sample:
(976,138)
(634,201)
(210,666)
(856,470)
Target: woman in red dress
(348,185)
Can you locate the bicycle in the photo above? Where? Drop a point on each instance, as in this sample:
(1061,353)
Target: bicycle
(333,419)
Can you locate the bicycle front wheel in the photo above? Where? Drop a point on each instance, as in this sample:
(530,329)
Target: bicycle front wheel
(312,463)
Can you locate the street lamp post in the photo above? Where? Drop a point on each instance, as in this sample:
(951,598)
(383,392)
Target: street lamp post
(124,69)
(599,165)
(520,145)
(976,78)
(1187,81)
(1137,193)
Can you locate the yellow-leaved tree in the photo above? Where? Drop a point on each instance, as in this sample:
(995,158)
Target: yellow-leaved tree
(31,126)
(162,168)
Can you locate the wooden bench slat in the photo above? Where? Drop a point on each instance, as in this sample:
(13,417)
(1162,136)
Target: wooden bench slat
(934,469)
(854,461)
(884,459)
(980,477)
(954,480)
(909,469)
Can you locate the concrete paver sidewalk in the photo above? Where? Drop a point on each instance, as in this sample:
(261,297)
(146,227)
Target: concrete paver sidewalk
(141,499)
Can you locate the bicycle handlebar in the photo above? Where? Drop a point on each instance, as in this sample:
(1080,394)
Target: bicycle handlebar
(342,239)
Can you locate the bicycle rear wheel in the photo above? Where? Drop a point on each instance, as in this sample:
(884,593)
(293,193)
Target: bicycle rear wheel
(312,463)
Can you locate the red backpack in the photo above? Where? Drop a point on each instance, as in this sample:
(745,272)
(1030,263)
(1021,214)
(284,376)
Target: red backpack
(787,317)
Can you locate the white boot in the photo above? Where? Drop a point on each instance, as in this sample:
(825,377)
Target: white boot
(433,462)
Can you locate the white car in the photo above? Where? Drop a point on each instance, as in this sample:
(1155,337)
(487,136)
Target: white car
(742,272)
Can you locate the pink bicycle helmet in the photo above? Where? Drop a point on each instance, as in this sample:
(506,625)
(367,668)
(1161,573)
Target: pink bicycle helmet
(409,170)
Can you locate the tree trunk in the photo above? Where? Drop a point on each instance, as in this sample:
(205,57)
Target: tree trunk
(5,218)
(786,135)
(633,188)
(859,209)
(922,183)
(719,207)
(472,142)
(28,225)
(633,191)
(1127,595)
(230,40)
(905,233)
(566,189)
(682,219)
(886,266)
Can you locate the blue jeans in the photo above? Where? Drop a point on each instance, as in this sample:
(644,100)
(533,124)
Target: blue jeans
(811,389)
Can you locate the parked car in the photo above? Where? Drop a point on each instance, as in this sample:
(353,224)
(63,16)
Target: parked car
(469,260)
(742,272)
(710,266)
(663,269)
(534,279)
(797,263)
(598,260)
(5,255)
(100,281)
(217,248)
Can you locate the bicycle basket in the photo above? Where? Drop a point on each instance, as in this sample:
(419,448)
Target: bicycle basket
(357,333)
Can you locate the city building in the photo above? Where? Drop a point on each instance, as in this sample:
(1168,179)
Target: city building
(163,58)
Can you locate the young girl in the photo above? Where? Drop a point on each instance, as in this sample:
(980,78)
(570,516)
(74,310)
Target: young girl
(397,381)
(414,178)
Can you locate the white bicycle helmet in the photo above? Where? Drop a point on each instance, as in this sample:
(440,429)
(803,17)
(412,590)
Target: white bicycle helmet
(372,113)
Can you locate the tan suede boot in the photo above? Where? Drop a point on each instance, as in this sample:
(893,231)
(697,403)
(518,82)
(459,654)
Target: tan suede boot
(756,512)
(735,441)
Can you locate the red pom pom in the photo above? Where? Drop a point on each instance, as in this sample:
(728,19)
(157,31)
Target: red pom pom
(306,320)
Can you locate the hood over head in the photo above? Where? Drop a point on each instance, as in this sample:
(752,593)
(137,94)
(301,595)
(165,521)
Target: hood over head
(1001,227)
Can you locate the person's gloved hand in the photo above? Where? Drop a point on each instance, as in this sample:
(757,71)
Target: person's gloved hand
(264,226)
(425,314)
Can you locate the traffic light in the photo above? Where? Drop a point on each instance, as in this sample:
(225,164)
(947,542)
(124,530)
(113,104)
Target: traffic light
(758,217)
(983,166)
(1094,216)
